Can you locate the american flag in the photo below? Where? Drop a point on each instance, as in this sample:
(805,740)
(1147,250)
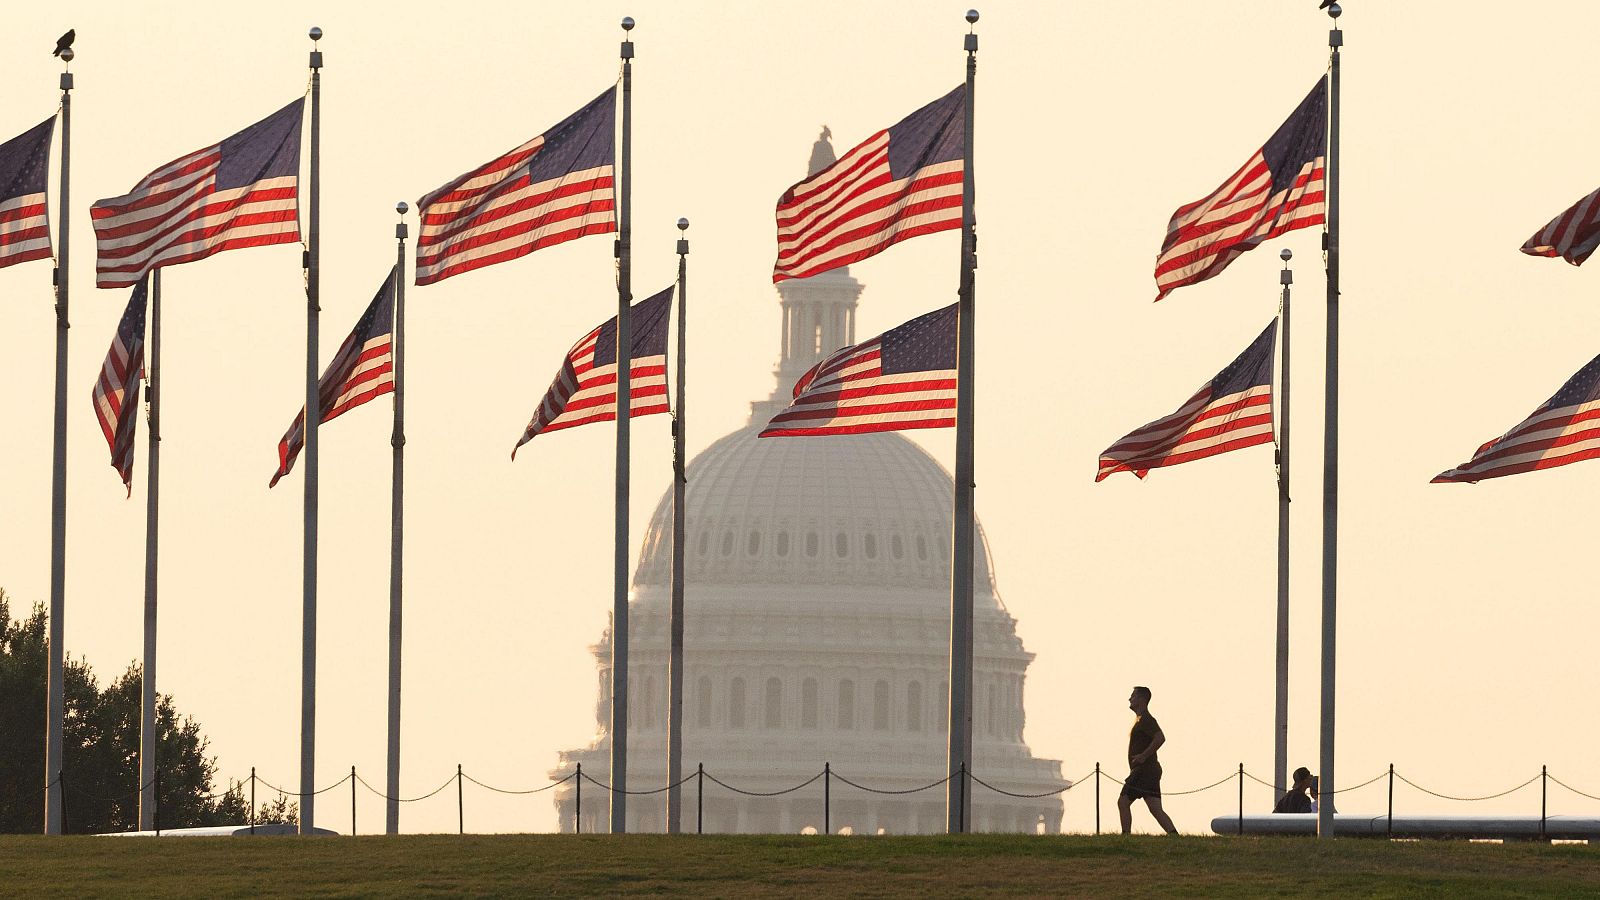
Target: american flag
(585,388)
(1565,429)
(902,182)
(361,370)
(1573,235)
(241,192)
(24,172)
(552,189)
(116,393)
(902,379)
(1230,412)
(1279,189)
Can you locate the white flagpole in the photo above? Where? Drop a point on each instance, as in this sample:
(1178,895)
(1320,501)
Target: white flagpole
(55,716)
(675,610)
(149,739)
(313,415)
(958,790)
(1280,718)
(1330,460)
(619,608)
(391,824)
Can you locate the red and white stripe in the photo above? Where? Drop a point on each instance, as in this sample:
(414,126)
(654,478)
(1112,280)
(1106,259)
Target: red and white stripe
(1573,235)
(583,392)
(847,393)
(1551,437)
(853,209)
(24,229)
(176,215)
(495,213)
(1202,427)
(1205,236)
(370,370)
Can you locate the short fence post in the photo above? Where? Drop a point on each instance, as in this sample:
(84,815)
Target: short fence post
(252,799)
(352,801)
(700,800)
(461,811)
(1391,799)
(577,813)
(1096,798)
(1241,798)
(966,799)
(1544,788)
(827,798)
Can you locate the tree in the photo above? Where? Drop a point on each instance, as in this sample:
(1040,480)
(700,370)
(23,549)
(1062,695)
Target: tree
(100,747)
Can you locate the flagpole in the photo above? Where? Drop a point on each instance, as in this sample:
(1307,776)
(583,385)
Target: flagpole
(958,790)
(624,354)
(1330,459)
(56,714)
(397,527)
(675,612)
(149,739)
(1280,719)
(313,414)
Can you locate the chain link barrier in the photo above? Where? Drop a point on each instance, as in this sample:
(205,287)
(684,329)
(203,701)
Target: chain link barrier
(1572,789)
(660,790)
(404,799)
(715,780)
(862,787)
(1466,799)
(536,790)
(296,794)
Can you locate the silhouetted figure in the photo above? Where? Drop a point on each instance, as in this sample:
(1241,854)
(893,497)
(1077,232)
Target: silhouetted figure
(1144,770)
(1298,799)
(65,41)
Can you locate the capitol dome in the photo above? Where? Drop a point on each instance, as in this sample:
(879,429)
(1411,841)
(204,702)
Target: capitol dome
(867,509)
(816,632)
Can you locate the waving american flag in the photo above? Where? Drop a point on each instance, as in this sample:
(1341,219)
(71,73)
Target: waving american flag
(1564,429)
(24,172)
(1230,412)
(116,391)
(242,192)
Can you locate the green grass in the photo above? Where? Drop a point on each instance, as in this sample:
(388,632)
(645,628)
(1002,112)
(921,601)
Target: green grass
(744,866)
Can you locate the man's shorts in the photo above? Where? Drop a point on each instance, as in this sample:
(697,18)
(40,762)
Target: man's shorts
(1143,782)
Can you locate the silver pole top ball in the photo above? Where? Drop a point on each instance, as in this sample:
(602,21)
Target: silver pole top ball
(67,55)
(402,208)
(1286,254)
(1334,11)
(683,224)
(972,17)
(627,23)
(315,33)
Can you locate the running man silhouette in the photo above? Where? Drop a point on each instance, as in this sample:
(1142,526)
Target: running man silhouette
(1144,770)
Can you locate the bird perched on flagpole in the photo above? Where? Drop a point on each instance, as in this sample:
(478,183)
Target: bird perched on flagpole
(65,41)
(1325,4)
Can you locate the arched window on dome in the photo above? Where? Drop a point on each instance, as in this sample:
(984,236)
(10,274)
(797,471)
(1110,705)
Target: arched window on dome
(753,545)
(811,543)
(846,713)
(942,716)
(880,706)
(870,545)
(783,543)
(808,703)
(897,547)
(647,699)
(841,545)
(705,542)
(922,547)
(736,703)
(774,717)
(703,701)
(914,706)
(727,543)
(991,724)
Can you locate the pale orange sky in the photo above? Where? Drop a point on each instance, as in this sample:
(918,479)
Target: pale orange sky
(1465,631)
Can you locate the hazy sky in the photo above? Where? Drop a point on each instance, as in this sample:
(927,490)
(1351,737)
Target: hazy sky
(1465,639)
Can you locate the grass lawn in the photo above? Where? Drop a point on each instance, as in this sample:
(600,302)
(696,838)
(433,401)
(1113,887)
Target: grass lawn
(744,866)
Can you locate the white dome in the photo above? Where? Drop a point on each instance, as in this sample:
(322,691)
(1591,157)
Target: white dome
(863,510)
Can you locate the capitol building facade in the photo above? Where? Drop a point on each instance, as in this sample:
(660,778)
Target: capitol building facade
(816,631)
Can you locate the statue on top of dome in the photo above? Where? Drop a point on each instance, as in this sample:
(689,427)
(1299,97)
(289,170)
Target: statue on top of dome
(822,155)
